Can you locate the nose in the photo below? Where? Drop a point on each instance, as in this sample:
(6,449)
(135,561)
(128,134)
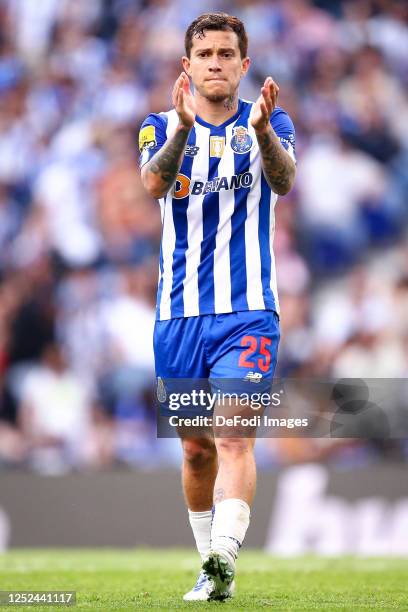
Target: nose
(214,64)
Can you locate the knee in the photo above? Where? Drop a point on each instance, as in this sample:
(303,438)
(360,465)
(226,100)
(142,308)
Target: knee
(234,447)
(198,453)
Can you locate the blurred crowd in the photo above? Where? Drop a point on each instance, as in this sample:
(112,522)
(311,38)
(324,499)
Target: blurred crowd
(79,237)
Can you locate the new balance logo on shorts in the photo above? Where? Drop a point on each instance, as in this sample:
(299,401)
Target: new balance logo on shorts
(254,377)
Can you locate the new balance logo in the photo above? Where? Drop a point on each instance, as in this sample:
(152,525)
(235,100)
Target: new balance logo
(191,150)
(254,377)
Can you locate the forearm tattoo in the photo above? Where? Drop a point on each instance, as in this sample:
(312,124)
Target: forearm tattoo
(166,163)
(278,167)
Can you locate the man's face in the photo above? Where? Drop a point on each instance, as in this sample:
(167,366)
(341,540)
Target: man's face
(215,65)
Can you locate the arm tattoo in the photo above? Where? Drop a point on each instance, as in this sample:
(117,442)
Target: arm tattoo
(166,163)
(279,169)
(219,495)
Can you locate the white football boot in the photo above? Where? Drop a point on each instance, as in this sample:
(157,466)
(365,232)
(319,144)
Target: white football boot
(201,591)
(205,590)
(220,574)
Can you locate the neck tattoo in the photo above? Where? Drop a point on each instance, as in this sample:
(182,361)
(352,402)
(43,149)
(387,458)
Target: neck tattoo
(229,103)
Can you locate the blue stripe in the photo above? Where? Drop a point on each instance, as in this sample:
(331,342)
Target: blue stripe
(263,234)
(237,243)
(160,287)
(211,217)
(180,222)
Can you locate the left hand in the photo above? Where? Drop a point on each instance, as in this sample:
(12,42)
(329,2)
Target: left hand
(265,105)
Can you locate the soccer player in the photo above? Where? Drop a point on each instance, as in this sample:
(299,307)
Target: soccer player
(217,164)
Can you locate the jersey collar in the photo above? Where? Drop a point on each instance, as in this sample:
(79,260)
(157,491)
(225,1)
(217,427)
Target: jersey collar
(227,122)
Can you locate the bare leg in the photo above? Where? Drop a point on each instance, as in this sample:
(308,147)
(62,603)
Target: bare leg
(236,476)
(199,471)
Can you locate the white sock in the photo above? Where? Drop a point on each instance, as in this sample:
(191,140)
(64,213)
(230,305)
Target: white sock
(201,525)
(229,526)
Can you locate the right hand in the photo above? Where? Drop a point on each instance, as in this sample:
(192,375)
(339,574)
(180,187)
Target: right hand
(184,102)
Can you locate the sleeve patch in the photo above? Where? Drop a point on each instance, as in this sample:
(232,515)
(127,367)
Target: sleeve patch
(289,144)
(147,138)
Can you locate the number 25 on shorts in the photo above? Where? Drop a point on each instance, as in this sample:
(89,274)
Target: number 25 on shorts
(251,342)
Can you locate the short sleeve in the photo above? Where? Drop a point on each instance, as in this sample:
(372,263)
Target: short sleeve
(152,136)
(285,130)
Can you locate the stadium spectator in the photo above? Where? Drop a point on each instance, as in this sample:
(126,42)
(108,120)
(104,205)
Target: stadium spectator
(55,415)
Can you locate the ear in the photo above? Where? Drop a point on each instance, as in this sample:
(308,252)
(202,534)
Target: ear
(246,62)
(186,65)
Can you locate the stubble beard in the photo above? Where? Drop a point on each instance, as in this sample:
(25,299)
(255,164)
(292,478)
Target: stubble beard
(228,99)
(217,98)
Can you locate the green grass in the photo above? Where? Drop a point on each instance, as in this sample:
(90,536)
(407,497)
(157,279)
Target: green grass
(144,579)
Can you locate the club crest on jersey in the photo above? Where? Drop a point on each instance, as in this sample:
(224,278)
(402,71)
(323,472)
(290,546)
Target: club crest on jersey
(217,146)
(241,142)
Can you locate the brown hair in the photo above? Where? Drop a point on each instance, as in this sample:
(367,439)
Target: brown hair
(217,21)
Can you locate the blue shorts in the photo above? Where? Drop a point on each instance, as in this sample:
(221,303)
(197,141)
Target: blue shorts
(238,348)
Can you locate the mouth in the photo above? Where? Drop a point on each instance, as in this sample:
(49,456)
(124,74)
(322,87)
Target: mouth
(216,80)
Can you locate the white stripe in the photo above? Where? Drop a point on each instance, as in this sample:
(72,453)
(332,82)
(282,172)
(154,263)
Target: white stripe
(168,235)
(162,203)
(168,244)
(199,172)
(252,246)
(172,122)
(291,152)
(222,270)
(273,283)
(159,277)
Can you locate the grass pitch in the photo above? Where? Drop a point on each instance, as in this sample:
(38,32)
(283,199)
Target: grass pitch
(143,579)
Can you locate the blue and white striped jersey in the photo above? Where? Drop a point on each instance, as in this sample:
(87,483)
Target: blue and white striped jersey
(216,252)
